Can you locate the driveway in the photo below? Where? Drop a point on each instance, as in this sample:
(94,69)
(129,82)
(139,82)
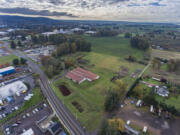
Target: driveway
(158,126)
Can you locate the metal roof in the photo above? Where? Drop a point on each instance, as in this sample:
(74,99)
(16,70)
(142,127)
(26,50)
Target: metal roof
(6,69)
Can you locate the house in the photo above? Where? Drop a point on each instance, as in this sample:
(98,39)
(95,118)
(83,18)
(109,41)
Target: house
(162,91)
(55,128)
(79,75)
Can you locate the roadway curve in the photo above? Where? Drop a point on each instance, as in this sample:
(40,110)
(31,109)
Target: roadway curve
(67,119)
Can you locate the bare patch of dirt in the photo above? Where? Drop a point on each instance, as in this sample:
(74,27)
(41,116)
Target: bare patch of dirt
(64,90)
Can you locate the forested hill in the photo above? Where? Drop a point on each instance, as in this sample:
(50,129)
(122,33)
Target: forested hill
(20,20)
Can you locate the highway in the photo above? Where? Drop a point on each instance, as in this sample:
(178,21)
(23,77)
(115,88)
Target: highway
(67,119)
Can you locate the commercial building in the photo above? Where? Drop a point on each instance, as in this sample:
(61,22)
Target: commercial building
(79,75)
(28,132)
(7,70)
(11,89)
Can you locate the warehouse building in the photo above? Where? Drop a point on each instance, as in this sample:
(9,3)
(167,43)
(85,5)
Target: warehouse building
(7,70)
(11,89)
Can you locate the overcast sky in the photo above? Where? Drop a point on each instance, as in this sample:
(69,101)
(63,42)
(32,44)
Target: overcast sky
(119,10)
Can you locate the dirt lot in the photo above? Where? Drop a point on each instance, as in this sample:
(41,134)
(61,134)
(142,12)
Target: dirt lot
(165,54)
(158,126)
(64,90)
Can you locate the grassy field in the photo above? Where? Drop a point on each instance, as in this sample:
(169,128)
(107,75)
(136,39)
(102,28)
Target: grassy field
(171,101)
(105,59)
(37,98)
(165,54)
(5,59)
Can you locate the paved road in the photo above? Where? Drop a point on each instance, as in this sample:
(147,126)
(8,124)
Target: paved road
(68,120)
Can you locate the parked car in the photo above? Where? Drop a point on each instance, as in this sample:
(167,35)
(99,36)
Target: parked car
(15,125)
(145,129)
(139,103)
(128,122)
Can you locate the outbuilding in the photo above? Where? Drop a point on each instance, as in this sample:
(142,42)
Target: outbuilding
(7,70)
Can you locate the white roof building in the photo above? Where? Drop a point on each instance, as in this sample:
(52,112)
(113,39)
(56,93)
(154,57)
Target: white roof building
(12,89)
(28,132)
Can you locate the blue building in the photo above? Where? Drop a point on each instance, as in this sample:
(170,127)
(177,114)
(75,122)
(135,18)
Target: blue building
(7,71)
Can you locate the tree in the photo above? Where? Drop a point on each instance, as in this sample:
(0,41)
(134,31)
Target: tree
(156,64)
(127,35)
(138,92)
(104,127)
(120,88)
(74,48)
(175,91)
(150,98)
(13,45)
(23,61)
(140,43)
(118,123)
(69,63)
(16,62)
(107,129)
(49,71)
(19,43)
(111,101)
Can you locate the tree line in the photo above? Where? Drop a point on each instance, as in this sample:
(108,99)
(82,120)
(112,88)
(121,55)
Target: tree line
(140,43)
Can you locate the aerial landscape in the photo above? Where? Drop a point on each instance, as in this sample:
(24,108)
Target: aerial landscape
(107,67)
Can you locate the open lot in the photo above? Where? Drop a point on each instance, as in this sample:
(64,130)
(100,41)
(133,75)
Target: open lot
(105,60)
(5,59)
(156,125)
(165,54)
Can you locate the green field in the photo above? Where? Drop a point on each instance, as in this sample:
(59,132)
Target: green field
(171,101)
(5,59)
(37,98)
(105,59)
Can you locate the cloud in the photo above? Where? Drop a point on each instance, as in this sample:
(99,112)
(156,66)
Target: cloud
(120,10)
(27,11)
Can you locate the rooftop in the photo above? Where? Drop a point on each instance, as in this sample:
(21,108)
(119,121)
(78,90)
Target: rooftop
(79,75)
(6,69)
(28,132)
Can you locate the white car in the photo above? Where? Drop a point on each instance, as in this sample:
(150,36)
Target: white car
(24,116)
(36,110)
(145,129)
(128,122)
(44,105)
(16,107)
(27,114)
(3,115)
(7,129)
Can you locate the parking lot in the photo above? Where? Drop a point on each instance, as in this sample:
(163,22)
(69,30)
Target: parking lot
(3,52)
(17,100)
(28,120)
(156,125)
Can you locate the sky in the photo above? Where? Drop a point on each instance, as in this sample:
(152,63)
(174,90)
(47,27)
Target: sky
(114,10)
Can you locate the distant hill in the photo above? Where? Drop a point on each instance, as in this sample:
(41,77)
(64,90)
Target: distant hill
(16,21)
(20,20)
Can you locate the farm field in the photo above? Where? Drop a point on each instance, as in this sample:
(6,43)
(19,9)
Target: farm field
(165,54)
(105,59)
(5,59)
